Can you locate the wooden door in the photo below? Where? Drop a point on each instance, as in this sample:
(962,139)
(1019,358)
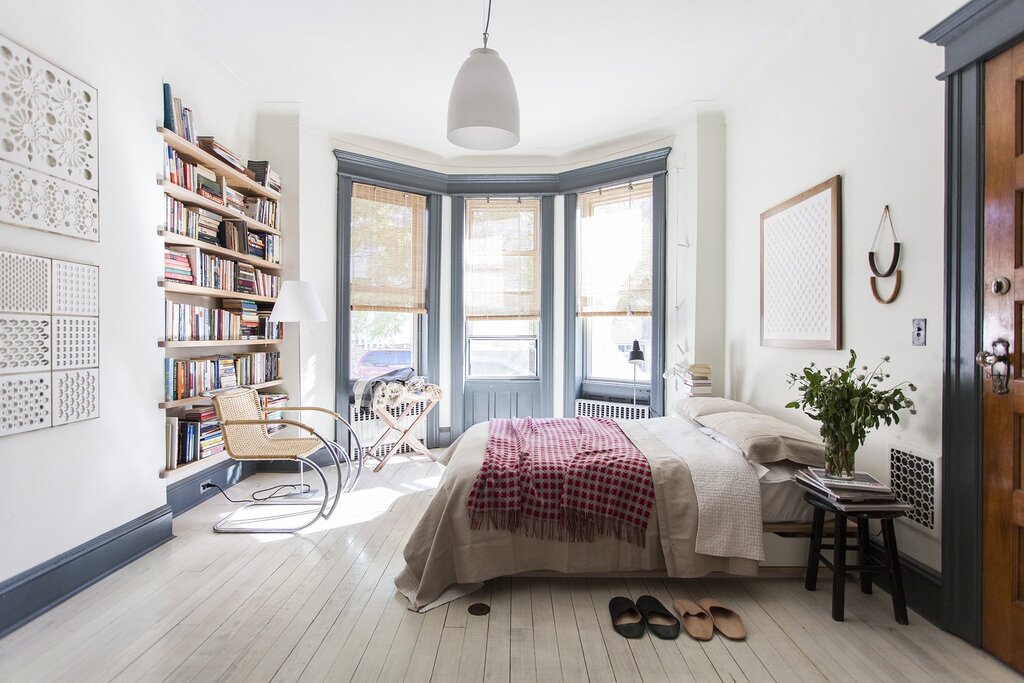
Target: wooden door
(1003,464)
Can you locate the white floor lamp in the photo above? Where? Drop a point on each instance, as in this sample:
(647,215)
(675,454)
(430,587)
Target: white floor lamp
(297,302)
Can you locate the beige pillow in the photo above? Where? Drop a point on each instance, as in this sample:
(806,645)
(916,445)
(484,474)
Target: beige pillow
(764,438)
(695,408)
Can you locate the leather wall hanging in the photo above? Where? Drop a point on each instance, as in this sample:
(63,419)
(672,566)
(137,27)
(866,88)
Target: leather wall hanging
(893,269)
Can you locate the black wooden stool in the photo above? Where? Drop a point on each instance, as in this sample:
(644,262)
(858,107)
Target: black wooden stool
(864,566)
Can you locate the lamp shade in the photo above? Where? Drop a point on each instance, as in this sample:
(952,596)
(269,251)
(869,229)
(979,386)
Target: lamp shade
(483,110)
(636,354)
(297,302)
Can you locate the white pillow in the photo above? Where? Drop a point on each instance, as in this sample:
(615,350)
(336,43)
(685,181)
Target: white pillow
(695,408)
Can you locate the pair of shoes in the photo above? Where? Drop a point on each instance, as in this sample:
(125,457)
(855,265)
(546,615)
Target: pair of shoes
(629,618)
(702,619)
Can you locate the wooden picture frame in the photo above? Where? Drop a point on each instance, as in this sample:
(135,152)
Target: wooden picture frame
(801,270)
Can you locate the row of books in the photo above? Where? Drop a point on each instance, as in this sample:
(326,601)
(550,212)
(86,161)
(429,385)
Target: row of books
(199,224)
(236,236)
(252,280)
(265,176)
(192,377)
(697,380)
(262,209)
(191,265)
(192,177)
(177,118)
(194,434)
(234,199)
(863,493)
(240,319)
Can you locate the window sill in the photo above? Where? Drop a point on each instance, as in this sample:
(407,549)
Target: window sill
(613,391)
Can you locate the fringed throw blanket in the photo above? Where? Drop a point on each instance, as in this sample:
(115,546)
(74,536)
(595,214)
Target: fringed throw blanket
(563,478)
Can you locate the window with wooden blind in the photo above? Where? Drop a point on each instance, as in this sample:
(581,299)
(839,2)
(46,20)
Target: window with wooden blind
(501,285)
(614,278)
(388,280)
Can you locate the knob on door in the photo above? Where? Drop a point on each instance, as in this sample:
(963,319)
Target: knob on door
(986,359)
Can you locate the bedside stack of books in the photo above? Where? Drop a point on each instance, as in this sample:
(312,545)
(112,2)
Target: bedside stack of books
(177,267)
(863,493)
(697,380)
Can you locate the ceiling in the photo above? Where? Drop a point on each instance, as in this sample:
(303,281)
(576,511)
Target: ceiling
(587,71)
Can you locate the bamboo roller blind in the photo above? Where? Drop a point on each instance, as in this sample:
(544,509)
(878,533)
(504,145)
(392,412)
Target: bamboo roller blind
(502,259)
(388,233)
(615,250)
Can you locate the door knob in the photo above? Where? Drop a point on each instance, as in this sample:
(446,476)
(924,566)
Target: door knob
(986,359)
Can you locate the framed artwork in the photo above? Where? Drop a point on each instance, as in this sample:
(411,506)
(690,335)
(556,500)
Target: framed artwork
(801,270)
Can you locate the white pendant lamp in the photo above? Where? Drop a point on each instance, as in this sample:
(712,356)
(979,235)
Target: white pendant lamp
(483,110)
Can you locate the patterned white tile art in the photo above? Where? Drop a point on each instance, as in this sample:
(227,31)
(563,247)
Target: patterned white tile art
(36,200)
(48,120)
(76,396)
(75,288)
(797,271)
(25,343)
(24,283)
(24,402)
(75,342)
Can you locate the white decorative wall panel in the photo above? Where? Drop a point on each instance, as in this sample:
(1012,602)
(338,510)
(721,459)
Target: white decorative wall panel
(76,396)
(798,271)
(75,288)
(35,200)
(24,402)
(25,343)
(75,342)
(48,119)
(24,283)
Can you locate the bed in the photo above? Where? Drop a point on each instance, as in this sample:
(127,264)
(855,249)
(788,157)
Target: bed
(446,559)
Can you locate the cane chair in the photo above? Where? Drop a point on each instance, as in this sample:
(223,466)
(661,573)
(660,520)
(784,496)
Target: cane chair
(244,424)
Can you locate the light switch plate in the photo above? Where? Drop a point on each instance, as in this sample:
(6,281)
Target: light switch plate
(920,332)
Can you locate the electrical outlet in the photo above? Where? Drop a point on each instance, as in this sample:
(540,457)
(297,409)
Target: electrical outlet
(920,332)
(208,484)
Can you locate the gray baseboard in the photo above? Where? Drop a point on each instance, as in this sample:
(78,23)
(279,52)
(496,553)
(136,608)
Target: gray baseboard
(922,586)
(185,494)
(36,590)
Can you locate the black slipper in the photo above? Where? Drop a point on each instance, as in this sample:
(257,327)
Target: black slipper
(660,621)
(626,619)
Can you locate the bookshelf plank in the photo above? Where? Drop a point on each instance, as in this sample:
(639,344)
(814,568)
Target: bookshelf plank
(215,293)
(195,400)
(168,344)
(191,198)
(197,155)
(174,238)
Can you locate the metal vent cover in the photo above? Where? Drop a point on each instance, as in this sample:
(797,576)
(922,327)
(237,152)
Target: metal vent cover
(915,480)
(617,411)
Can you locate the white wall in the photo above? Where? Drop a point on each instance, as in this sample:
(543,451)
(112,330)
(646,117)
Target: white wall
(847,88)
(66,485)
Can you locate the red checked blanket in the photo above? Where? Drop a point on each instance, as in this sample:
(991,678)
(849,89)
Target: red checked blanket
(563,478)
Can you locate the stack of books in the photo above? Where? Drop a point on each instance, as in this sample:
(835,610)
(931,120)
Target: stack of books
(210,144)
(863,493)
(191,222)
(262,209)
(177,267)
(207,185)
(234,199)
(236,236)
(271,401)
(697,380)
(211,438)
(178,119)
(265,176)
(248,316)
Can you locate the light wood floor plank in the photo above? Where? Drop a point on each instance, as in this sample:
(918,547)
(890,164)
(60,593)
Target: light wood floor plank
(424,655)
(623,666)
(523,666)
(474,639)
(570,649)
(498,653)
(715,650)
(590,626)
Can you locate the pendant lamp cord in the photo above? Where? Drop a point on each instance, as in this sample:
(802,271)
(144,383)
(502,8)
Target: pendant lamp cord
(487,23)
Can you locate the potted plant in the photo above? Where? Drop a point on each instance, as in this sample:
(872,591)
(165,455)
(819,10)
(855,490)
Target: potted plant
(848,402)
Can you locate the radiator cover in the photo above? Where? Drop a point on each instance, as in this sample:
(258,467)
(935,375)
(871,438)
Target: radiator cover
(618,411)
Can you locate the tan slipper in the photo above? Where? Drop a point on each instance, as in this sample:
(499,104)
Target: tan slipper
(696,621)
(728,623)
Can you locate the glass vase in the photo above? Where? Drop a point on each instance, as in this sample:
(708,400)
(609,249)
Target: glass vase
(839,460)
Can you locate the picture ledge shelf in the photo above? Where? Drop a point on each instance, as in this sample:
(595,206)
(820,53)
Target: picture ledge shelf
(209,291)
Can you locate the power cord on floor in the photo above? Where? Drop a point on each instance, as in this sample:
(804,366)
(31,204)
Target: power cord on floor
(261,495)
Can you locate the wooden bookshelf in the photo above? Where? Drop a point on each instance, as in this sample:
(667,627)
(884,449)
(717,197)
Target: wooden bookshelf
(192,199)
(194,400)
(211,292)
(174,239)
(203,343)
(233,178)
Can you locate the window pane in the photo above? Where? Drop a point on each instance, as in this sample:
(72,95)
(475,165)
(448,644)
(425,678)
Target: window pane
(381,342)
(608,341)
(502,328)
(615,239)
(502,259)
(388,230)
(502,357)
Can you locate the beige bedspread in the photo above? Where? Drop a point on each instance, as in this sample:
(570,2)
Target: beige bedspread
(445,559)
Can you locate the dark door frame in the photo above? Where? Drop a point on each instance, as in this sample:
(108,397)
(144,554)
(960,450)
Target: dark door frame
(972,34)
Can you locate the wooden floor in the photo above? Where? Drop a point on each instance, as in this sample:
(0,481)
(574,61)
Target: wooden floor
(322,606)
